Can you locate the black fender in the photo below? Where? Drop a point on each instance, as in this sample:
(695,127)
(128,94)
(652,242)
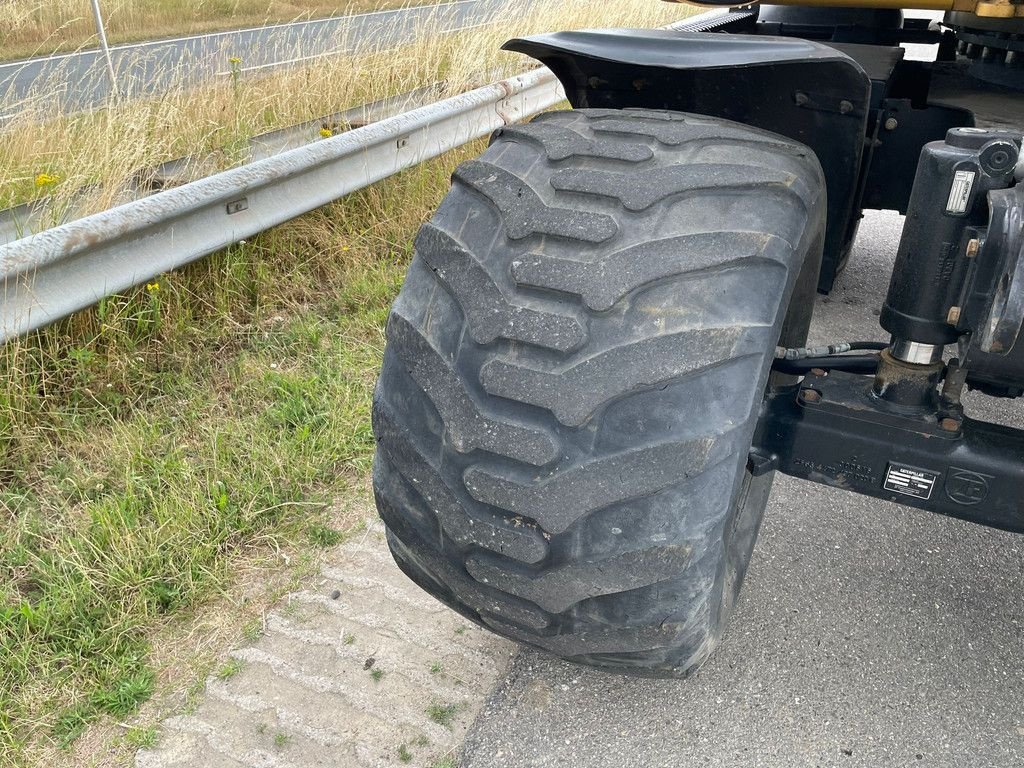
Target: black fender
(804,90)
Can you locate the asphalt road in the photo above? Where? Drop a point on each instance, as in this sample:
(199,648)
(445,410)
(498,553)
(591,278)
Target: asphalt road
(867,634)
(79,80)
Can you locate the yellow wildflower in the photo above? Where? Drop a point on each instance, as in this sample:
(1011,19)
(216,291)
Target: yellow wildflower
(46,179)
(235,60)
(344,248)
(326,133)
(152,287)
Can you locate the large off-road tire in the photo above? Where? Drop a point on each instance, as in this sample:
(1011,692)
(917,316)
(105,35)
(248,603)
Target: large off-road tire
(573,373)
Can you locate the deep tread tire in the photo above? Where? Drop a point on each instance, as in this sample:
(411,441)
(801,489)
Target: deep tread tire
(573,373)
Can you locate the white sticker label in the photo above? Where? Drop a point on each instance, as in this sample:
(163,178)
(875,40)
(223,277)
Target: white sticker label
(960,194)
(910,481)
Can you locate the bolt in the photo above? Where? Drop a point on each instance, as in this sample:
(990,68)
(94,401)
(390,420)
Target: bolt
(845,107)
(953,316)
(800,98)
(972,247)
(891,123)
(950,425)
(810,395)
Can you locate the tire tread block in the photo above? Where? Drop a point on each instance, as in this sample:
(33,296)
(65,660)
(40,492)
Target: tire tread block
(629,640)
(524,212)
(474,595)
(639,191)
(489,313)
(560,143)
(559,588)
(575,392)
(468,427)
(485,530)
(568,496)
(606,281)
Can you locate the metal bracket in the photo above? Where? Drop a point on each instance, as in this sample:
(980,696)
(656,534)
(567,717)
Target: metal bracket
(830,429)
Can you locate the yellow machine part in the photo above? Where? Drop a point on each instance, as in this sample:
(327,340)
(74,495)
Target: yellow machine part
(1000,9)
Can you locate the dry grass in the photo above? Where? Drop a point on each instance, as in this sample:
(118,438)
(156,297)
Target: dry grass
(44,152)
(39,27)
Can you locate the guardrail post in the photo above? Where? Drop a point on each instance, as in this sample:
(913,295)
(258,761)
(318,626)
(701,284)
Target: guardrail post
(105,48)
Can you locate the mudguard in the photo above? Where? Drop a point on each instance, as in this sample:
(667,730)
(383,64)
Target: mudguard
(806,91)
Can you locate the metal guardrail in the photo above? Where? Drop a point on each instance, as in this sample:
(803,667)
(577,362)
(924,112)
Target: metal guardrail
(52,274)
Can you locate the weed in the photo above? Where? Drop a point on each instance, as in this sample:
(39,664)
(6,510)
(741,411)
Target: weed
(348,638)
(125,506)
(229,669)
(404,755)
(377,675)
(89,160)
(324,537)
(444,762)
(281,739)
(436,668)
(140,737)
(443,714)
(193,695)
(252,630)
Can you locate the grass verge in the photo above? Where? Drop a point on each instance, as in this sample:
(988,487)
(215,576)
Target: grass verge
(154,446)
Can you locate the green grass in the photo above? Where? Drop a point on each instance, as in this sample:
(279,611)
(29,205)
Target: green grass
(229,669)
(377,675)
(152,444)
(252,630)
(404,755)
(325,537)
(141,737)
(442,713)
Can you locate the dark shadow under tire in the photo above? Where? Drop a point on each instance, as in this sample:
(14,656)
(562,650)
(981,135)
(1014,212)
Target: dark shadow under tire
(573,373)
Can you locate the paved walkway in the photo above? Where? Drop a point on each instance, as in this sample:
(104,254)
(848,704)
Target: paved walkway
(344,676)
